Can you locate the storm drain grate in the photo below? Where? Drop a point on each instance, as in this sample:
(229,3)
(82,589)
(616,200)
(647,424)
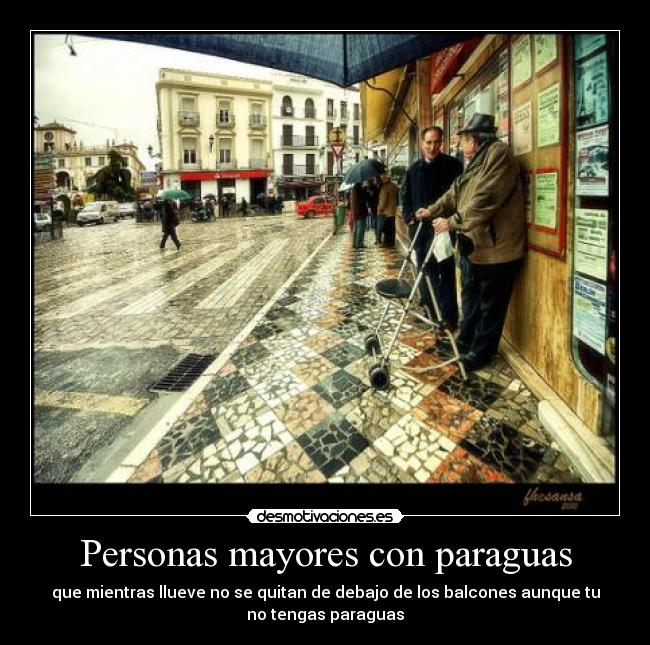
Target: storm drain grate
(183,374)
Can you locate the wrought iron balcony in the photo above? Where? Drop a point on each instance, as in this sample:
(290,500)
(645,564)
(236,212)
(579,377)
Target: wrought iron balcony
(227,165)
(298,113)
(257,163)
(257,121)
(191,165)
(225,120)
(286,110)
(299,142)
(185,117)
(296,171)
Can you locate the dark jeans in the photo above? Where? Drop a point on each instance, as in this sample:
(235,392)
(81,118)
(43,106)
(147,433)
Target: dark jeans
(485,295)
(358,232)
(170,233)
(389,231)
(442,276)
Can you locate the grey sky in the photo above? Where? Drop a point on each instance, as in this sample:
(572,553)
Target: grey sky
(112,84)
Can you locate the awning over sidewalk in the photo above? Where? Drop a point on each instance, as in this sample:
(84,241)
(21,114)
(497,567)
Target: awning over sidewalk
(342,59)
(375,104)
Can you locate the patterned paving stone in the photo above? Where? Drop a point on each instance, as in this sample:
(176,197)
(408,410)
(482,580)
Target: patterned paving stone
(476,392)
(213,466)
(224,388)
(450,417)
(339,388)
(343,354)
(423,368)
(249,355)
(279,387)
(370,419)
(310,370)
(332,444)
(414,447)
(149,472)
(237,413)
(460,467)
(303,411)
(290,465)
(256,441)
(503,448)
(371,467)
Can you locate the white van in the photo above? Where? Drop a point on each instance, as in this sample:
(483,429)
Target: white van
(98,212)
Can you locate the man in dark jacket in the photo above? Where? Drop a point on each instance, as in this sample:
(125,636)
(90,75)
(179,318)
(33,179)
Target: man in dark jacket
(426,180)
(372,201)
(169,223)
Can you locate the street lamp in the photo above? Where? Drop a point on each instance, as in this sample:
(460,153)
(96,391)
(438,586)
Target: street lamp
(211,142)
(151,152)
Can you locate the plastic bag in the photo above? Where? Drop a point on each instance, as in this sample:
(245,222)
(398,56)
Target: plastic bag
(442,246)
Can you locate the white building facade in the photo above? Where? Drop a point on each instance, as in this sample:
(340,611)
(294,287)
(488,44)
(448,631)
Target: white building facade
(304,111)
(214,134)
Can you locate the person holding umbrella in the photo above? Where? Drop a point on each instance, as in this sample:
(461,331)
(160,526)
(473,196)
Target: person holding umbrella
(169,221)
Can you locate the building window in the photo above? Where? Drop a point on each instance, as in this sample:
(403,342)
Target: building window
(310,111)
(225,153)
(355,135)
(102,161)
(356,157)
(189,150)
(287,135)
(287,164)
(48,147)
(88,161)
(61,163)
(256,114)
(224,112)
(344,109)
(311,164)
(330,108)
(287,106)
(310,139)
(356,112)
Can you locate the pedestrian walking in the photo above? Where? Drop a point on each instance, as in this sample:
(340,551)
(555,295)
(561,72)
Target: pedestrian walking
(225,205)
(485,206)
(372,200)
(386,211)
(244,207)
(359,210)
(169,223)
(426,180)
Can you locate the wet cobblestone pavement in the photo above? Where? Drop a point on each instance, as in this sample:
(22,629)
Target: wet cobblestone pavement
(112,314)
(294,404)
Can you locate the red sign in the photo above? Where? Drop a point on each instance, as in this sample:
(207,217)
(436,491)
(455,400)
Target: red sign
(224,174)
(337,148)
(446,62)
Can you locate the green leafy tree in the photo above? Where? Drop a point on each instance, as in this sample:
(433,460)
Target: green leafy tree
(113,181)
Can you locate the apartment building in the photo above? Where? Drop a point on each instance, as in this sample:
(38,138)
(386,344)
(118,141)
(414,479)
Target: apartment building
(74,163)
(214,133)
(305,110)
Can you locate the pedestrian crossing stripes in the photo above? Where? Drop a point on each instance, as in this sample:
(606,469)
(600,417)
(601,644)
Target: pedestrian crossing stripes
(227,294)
(158,297)
(92,300)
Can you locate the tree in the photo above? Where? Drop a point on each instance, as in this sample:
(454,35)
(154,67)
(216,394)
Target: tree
(113,181)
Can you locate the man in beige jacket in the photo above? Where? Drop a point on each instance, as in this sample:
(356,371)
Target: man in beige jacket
(386,211)
(485,206)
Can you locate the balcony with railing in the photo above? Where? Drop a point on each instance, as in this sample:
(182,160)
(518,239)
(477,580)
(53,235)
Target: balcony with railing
(299,141)
(227,165)
(257,163)
(188,118)
(298,113)
(225,120)
(191,163)
(299,171)
(257,121)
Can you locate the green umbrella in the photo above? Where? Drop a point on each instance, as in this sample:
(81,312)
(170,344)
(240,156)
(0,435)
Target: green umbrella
(175,194)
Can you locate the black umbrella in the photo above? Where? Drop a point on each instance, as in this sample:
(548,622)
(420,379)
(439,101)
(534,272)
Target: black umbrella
(340,58)
(363,170)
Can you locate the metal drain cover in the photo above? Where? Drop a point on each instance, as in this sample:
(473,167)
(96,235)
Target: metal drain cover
(183,374)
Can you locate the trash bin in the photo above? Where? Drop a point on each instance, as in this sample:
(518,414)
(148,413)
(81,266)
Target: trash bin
(340,214)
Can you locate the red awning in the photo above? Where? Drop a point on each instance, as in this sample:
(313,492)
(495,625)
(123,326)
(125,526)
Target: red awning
(224,174)
(446,62)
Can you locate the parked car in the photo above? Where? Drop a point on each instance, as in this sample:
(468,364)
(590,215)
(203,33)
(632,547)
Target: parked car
(316,206)
(98,212)
(127,209)
(42,221)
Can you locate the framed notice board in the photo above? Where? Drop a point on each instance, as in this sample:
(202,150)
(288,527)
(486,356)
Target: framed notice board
(538,118)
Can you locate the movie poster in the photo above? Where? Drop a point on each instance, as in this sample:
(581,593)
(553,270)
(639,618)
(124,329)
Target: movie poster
(592,92)
(592,161)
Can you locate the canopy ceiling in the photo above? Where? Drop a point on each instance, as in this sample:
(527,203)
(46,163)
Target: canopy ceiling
(342,59)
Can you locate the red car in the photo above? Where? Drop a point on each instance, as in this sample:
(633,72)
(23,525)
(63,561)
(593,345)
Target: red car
(316,206)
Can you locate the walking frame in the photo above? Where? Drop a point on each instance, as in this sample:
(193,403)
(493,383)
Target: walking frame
(398,289)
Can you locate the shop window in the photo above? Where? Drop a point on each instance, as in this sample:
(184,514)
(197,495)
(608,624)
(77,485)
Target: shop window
(595,231)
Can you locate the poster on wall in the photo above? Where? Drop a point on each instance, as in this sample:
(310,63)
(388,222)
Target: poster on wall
(545,51)
(454,125)
(592,165)
(548,116)
(592,97)
(471,103)
(546,200)
(589,307)
(522,129)
(585,44)
(503,103)
(521,61)
(591,243)
(527,185)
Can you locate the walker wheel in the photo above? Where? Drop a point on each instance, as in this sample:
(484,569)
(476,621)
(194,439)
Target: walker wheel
(379,377)
(372,344)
